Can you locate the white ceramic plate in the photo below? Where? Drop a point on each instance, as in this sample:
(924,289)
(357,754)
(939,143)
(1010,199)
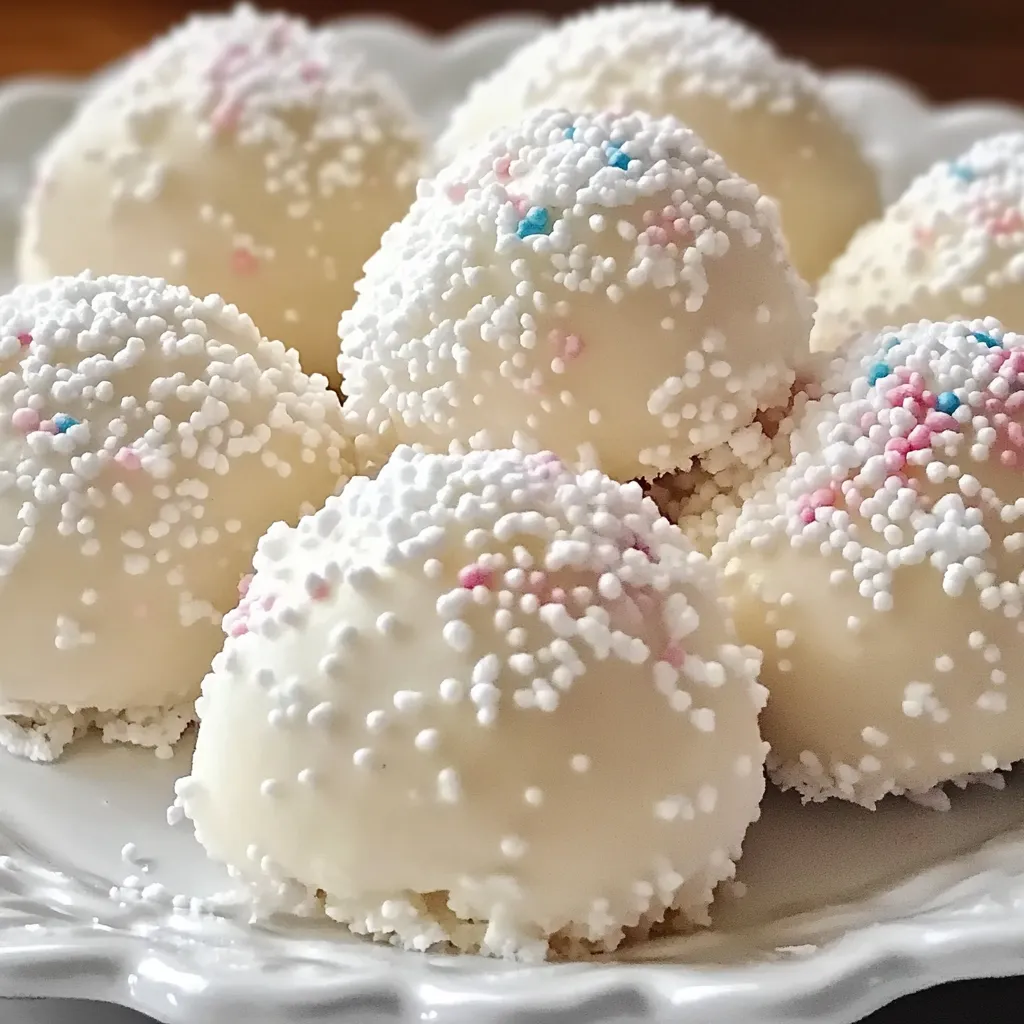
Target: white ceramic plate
(844,911)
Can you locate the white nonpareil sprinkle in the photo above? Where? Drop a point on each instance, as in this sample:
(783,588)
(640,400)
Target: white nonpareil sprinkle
(584,612)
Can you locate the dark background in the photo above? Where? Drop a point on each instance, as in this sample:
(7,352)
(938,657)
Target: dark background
(950,49)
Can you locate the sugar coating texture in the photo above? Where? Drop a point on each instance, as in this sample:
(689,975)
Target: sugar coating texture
(244,154)
(482,701)
(764,114)
(602,287)
(951,247)
(147,440)
(704,500)
(880,574)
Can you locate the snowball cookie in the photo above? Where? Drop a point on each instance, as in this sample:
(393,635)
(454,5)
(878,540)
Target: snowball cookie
(486,701)
(147,440)
(243,154)
(602,287)
(766,115)
(951,246)
(880,574)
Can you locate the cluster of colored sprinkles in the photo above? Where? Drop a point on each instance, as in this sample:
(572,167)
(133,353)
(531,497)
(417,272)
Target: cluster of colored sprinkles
(628,211)
(901,478)
(200,408)
(568,571)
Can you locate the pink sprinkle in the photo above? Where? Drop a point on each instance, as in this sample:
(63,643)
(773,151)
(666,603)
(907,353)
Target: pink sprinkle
(823,497)
(895,461)
(897,444)
(320,591)
(807,515)
(1015,432)
(25,340)
(473,576)
(244,262)
(567,346)
(25,420)
(923,236)
(311,71)
(1008,459)
(521,204)
(673,654)
(238,629)
(269,601)
(226,116)
(920,437)
(244,583)
(457,192)
(501,168)
(996,358)
(1015,402)
(638,545)
(900,394)
(939,421)
(49,426)
(557,596)
(128,458)
(1009,222)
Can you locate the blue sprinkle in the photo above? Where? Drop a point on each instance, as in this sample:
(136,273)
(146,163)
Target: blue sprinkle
(947,402)
(63,422)
(891,344)
(986,339)
(570,133)
(961,172)
(536,222)
(877,372)
(617,158)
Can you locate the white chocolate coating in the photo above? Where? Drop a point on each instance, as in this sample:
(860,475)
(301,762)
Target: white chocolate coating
(243,154)
(881,573)
(601,287)
(147,440)
(764,114)
(951,247)
(481,700)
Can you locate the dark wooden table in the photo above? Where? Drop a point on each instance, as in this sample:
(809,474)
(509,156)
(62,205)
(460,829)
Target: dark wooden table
(951,49)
